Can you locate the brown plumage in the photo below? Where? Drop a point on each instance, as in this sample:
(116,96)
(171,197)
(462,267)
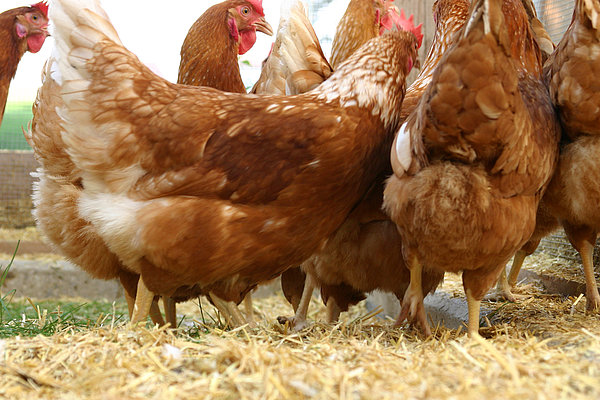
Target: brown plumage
(365,253)
(472,161)
(195,186)
(209,54)
(22,29)
(573,195)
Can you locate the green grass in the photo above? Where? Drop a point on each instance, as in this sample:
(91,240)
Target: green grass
(16,115)
(27,318)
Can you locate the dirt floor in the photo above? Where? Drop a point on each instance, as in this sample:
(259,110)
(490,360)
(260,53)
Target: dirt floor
(542,347)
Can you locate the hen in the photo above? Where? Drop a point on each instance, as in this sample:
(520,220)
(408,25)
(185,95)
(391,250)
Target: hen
(210,49)
(573,196)
(472,161)
(193,186)
(58,189)
(545,222)
(365,253)
(362,21)
(22,29)
(296,65)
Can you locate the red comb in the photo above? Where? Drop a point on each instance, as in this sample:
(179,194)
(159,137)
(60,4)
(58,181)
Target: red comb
(42,6)
(257,4)
(409,25)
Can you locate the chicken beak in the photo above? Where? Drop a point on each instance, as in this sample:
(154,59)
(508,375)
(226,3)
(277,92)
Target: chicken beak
(263,26)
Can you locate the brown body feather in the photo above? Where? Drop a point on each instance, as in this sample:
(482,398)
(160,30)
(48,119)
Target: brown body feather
(357,26)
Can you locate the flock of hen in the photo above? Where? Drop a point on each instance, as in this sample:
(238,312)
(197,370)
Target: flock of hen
(332,175)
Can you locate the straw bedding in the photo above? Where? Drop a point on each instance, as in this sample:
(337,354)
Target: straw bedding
(544,347)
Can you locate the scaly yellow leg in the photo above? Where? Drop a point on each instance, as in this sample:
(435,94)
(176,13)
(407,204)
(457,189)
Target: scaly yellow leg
(333,311)
(591,288)
(170,311)
(515,268)
(474,308)
(143,302)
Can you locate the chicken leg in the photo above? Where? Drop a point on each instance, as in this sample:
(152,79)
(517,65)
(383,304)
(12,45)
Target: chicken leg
(333,311)
(229,311)
(474,306)
(503,291)
(249,309)
(591,288)
(170,311)
(583,239)
(143,302)
(413,308)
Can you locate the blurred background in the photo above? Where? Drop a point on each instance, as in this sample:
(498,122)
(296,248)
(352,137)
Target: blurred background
(154,33)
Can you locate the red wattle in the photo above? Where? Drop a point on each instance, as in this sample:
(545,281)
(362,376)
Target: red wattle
(247,40)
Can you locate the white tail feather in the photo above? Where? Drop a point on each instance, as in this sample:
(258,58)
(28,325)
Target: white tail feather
(78,26)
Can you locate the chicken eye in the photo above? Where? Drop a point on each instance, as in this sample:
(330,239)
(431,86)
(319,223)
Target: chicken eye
(245,10)
(34,17)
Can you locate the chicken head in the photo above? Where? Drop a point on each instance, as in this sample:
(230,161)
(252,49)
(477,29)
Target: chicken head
(33,26)
(244,20)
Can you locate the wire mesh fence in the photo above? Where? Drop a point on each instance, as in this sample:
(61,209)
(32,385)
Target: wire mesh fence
(16,163)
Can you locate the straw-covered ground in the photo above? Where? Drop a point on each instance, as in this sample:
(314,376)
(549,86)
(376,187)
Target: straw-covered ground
(544,347)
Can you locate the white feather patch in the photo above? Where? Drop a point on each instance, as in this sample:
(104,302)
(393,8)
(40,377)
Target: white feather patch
(403,149)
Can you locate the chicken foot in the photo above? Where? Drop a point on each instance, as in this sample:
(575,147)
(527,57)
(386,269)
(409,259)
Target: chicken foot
(298,321)
(413,309)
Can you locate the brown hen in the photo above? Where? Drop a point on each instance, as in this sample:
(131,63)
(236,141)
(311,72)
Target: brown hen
(22,29)
(472,161)
(362,21)
(573,196)
(193,186)
(58,189)
(210,49)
